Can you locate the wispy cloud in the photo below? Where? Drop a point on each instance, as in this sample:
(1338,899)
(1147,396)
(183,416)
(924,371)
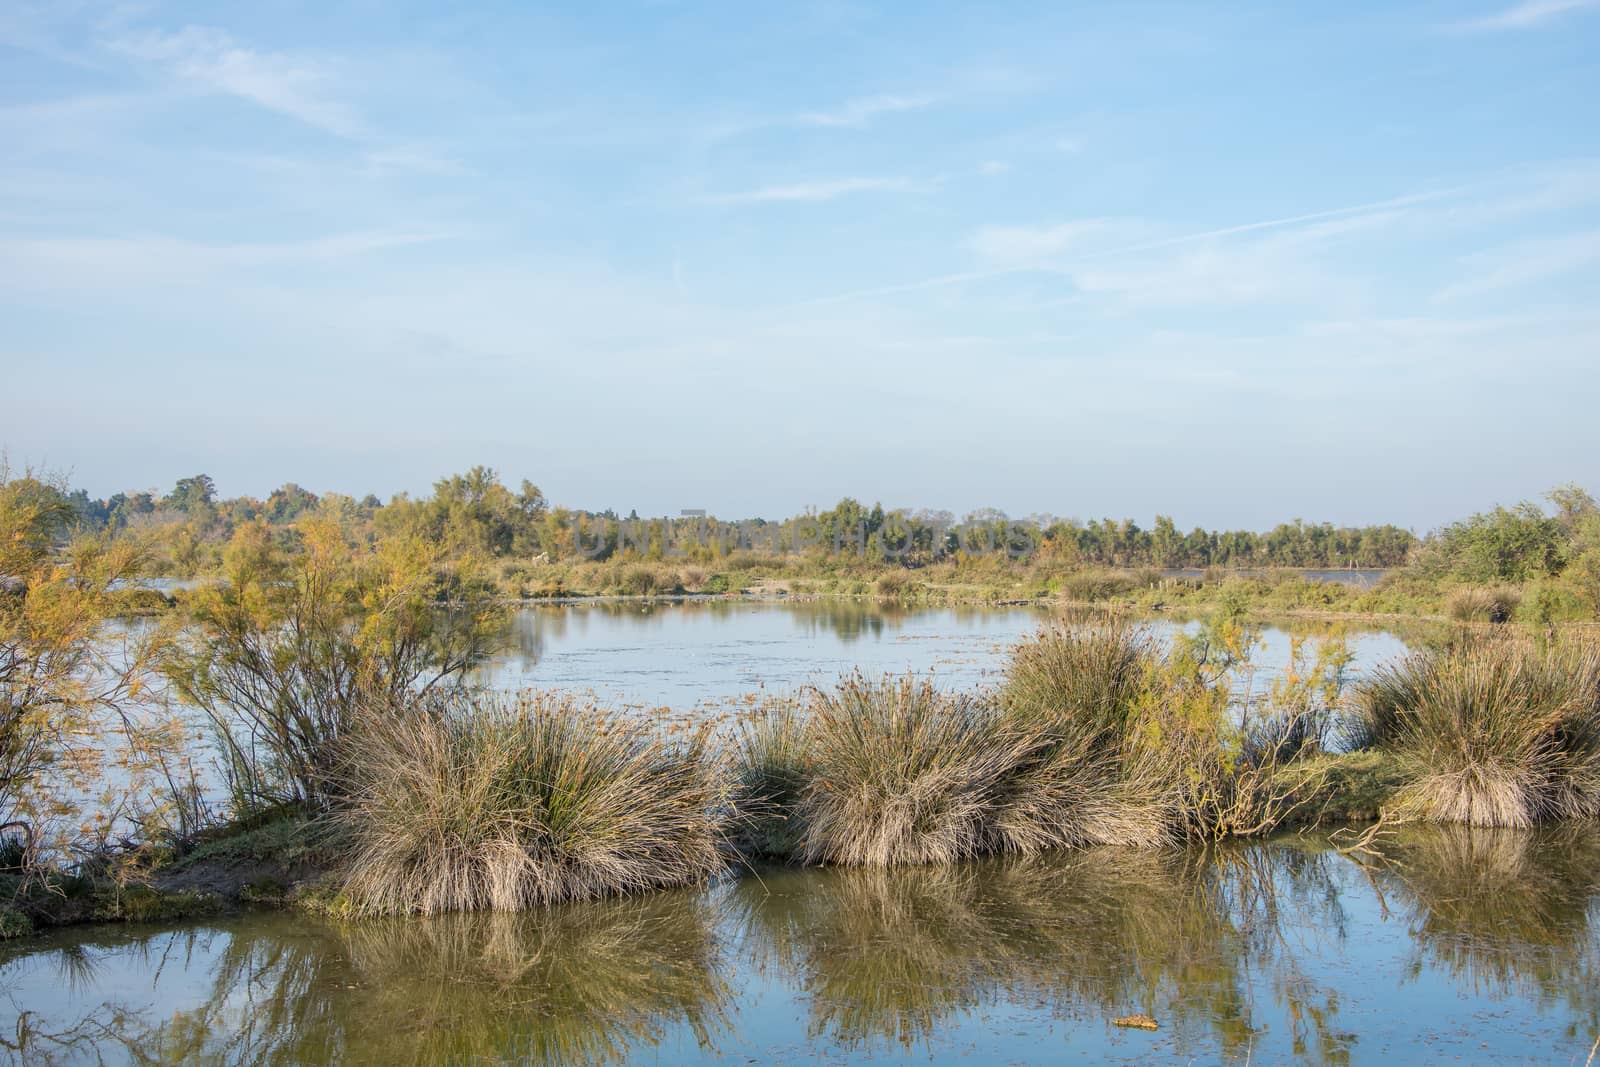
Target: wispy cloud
(862,111)
(822,190)
(1524,16)
(294,85)
(1525,262)
(1018,246)
(160,256)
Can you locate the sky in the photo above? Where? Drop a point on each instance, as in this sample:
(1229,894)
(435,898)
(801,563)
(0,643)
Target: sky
(1232,263)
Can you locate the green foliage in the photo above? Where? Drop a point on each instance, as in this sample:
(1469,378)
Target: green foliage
(285,651)
(14,924)
(192,494)
(1503,545)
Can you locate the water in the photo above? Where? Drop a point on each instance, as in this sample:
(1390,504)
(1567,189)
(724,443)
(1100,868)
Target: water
(695,653)
(1453,946)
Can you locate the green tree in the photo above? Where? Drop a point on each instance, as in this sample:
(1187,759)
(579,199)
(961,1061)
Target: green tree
(192,494)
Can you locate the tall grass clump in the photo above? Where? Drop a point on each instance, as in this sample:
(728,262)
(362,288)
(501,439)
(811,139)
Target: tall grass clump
(1491,733)
(1086,697)
(1479,604)
(771,771)
(512,803)
(895,771)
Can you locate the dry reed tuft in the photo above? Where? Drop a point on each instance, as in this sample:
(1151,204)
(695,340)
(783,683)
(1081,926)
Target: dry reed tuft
(512,803)
(1085,695)
(900,772)
(1483,605)
(1491,733)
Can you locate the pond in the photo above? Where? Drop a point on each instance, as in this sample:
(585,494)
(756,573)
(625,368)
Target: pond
(1446,945)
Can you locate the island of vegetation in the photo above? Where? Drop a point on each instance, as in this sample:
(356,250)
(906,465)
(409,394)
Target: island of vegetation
(295,724)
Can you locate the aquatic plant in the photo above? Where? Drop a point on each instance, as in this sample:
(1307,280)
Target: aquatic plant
(510,803)
(770,771)
(1495,732)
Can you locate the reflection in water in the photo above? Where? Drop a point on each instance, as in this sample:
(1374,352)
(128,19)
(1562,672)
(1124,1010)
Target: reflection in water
(1503,912)
(1099,934)
(1458,940)
(585,985)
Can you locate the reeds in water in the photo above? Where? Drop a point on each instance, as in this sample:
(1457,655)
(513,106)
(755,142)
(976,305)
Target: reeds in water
(513,803)
(1492,733)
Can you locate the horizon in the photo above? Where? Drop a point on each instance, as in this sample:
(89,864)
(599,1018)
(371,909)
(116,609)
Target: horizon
(1043,517)
(1227,265)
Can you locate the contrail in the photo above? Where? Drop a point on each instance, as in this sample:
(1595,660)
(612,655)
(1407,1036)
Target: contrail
(941,280)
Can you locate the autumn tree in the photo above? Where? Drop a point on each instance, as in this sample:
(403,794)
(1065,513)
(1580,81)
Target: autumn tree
(61,679)
(297,643)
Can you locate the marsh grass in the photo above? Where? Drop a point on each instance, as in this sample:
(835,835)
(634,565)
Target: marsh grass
(1085,695)
(1491,732)
(900,772)
(507,804)
(1480,604)
(1096,737)
(770,771)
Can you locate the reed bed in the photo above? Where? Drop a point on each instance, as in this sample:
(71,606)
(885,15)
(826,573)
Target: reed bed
(1098,736)
(1491,732)
(507,804)
(1094,739)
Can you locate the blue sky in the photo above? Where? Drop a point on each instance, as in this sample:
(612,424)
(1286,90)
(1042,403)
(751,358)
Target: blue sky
(1234,263)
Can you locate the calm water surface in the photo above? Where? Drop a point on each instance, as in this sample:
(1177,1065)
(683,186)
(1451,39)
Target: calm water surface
(683,654)
(1453,947)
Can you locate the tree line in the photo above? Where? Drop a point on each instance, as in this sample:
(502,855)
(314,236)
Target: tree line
(475,512)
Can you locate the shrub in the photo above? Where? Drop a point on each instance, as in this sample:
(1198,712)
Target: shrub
(1492,733)
(513,803)
(284,654)
(719,583)
(1550,601)
(644,579)
(895,585)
